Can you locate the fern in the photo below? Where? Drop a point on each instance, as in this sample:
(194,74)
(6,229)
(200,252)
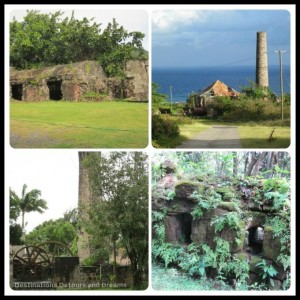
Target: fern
(199,210)
(160,231)
(277,200)
(158,216)
(206,202)
(231,220)
(171,195)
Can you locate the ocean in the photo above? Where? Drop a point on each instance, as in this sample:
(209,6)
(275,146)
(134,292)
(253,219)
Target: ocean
(192,79)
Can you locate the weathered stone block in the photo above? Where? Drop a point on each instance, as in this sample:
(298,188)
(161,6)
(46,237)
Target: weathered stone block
(271,245)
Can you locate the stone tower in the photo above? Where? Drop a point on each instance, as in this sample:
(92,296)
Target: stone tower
(84,194)
(262,60)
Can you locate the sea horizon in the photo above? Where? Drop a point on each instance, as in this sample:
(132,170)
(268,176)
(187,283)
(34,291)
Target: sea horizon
(184,80)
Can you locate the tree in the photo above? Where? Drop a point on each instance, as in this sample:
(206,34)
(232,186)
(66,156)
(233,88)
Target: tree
(15,230)
(119,209)
(15,234)
(28,202)
(117,46)
(158,99)
(42,40)
(59,230)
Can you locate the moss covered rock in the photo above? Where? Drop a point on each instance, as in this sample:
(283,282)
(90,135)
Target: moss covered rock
(168,166)
(254,219)
(230,206)
(235,237)
(227,192)
(185,189)
(271,245)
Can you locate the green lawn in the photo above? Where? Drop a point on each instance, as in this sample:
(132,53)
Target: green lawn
(257,136)
(63,124)
(252,134)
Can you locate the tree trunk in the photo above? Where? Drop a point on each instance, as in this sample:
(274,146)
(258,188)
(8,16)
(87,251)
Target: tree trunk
(115,259)
(256,162)
(246,162)
(23,220)
(137,276)
(235,163)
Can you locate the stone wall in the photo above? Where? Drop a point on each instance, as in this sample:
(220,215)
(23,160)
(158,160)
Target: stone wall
(80,81)
(136,85)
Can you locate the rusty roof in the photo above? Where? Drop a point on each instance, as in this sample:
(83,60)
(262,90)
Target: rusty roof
(219,88)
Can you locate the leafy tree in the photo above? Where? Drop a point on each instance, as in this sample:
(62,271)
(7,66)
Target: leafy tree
(158,99)
(58,230)
(46,39)
(15,234)
(119,210)
(116,48)
(15,230)
(28,202)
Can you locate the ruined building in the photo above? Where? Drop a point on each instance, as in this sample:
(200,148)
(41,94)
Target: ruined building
(79,81)
(250,239)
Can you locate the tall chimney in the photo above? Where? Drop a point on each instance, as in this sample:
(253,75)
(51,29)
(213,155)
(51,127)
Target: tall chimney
(262,60)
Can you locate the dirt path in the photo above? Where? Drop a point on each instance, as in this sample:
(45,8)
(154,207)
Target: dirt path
(219,136)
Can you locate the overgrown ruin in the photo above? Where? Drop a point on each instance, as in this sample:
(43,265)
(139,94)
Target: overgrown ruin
(80,81)
(205,209)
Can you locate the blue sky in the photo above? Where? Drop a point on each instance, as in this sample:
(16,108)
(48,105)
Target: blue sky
(217,37)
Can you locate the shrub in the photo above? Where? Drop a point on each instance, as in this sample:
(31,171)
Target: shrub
(164,126)
(221,104)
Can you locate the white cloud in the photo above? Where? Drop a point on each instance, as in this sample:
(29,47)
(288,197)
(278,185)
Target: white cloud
(170,20)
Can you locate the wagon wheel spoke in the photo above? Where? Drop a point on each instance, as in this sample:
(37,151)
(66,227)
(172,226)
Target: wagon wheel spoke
(37,254)
(21,258)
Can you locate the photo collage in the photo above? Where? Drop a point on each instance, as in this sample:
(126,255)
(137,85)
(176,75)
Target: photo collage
(150,150)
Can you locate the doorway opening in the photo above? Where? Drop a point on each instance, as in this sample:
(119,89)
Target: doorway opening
(186,227)
(17,91)
(255,239)
(55,92)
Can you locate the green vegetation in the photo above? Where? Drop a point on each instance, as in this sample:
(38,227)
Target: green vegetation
(267,272)
(78,125)
(28,202)
(42,40)
(172,279)
(218,247)
(61,230)
(256,114)
(245,109)
(118,217)
(206,201)
(252,135)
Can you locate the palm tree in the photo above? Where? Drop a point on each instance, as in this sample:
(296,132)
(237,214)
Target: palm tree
(28,202)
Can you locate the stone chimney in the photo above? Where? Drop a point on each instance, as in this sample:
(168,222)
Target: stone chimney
(83,243)
(262,60)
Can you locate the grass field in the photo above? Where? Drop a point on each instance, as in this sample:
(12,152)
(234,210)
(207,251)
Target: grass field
(78,125)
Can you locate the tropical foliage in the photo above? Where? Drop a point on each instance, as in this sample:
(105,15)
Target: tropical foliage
(46,39)
(118,216)
(228,180)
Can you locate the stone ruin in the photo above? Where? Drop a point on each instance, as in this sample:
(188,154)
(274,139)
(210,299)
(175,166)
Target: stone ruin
(180,227)
(79,81)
